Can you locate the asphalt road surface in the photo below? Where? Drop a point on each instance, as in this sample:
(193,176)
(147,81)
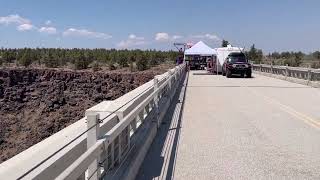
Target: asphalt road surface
(238,128)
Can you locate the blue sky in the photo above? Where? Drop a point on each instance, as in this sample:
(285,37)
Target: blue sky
(272,25)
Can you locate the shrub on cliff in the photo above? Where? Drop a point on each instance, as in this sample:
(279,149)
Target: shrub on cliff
(49,60)
(81,61)
(123,61)
(142,64)
(95,66)
(133,66)
(111,66)
(26,59)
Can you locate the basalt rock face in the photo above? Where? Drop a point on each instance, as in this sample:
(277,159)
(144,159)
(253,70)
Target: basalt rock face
(35,103)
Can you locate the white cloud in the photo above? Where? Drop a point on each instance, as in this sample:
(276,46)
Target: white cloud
(48,22)
(23,24)
(25,27)
(162,36)
(177,37)
(14,19)
(207,36)
(48,30)
(85,33)
(165,37)
(132,41)
(212,37)
(198,36)
(134,37)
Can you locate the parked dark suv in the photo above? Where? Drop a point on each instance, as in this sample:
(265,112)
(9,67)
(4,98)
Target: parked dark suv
(236,63)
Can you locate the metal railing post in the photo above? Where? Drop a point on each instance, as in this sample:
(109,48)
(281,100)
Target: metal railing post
(170,82)
(309,74)
(156,100)
(92,137)
(260,67)
(112,155)
(141,116)
(170,85)
(287,70)
(147,109)
(120,116)
(134,124)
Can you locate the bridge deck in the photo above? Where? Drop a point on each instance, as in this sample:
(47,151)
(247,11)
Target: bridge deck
(258,128)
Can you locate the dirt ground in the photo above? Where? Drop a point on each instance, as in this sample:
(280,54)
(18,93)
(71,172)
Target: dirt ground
(36,103)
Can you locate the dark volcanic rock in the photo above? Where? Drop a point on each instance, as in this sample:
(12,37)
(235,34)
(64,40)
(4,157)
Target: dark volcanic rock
(35,103)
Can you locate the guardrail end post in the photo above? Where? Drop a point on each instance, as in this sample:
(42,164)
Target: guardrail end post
(93,126)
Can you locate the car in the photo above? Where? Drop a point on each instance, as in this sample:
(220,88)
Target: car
(237,63)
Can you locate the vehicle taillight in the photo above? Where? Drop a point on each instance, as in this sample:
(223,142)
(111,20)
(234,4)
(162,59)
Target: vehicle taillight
(230,65)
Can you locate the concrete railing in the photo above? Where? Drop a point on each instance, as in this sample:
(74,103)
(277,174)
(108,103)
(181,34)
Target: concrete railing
(300,75)
(110,142)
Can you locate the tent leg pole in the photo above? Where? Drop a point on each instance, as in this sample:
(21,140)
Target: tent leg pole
(217,65)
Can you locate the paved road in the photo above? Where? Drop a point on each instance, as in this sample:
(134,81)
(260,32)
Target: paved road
(258,128)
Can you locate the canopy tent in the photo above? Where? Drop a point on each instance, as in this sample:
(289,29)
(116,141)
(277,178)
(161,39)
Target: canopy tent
(200,49)
(200,56)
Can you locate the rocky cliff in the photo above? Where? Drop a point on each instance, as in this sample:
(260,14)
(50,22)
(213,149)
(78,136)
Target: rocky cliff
(35,103)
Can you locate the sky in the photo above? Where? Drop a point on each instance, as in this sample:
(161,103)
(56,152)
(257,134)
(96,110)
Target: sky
(273,25)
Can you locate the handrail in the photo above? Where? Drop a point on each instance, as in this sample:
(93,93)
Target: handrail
(75,170)
(307,74)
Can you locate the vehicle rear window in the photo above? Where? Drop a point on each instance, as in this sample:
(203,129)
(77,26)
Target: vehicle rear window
(234,58)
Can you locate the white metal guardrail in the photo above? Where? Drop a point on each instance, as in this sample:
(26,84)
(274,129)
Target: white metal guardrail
(101,142)
(307,76)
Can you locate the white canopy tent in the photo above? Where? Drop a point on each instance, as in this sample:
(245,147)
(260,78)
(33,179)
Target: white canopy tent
(200,49)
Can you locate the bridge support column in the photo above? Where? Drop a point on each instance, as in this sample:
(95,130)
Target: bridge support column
(92,137)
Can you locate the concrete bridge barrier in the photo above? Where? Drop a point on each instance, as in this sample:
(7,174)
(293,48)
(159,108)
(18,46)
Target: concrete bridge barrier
(306,76)
(109,142)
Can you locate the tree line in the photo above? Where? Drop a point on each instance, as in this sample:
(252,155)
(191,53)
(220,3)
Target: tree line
(85,58)
(135,59)
(289,58)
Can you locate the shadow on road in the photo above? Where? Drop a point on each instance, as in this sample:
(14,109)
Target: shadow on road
(279,87)
(160,160)
(214,74)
